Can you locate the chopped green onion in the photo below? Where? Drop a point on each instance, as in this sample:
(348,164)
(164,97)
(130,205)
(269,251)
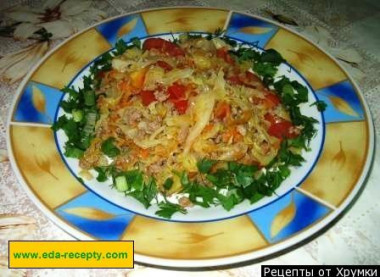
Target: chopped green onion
(77,115)
(90,123)
(89,98)
(121,183)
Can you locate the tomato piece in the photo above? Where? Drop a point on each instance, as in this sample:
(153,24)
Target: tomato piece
(251,77)
(280,127)
(100,74)
(247,79)
(228,58)
(177,95)
(222,110)
(271,100)
(235,80)
(147,97)
(223,54)
(163,46)
(174,50)
(181,105)
(271,118)
(220,53)
(153,43)
(252,80)
(164,65)
(281,130)
(256,100)
(176,91)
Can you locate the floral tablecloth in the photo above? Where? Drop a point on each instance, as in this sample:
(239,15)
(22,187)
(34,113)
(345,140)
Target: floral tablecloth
(349,30)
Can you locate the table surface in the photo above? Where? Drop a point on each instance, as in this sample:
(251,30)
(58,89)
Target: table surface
(349,30)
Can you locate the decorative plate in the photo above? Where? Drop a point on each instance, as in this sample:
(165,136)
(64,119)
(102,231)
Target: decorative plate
(313,197)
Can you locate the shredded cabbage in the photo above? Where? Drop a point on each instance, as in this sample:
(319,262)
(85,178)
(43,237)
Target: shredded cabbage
(202,111)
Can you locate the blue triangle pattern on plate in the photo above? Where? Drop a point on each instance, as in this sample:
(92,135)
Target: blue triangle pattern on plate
(343,103)
(96,216)
(287,215)
(125,27)
(37,104)
(253,30)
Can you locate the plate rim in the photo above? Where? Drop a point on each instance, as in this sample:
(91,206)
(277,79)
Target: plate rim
(275,249)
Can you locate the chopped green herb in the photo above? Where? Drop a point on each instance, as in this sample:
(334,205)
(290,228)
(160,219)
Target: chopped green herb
(168,183)
(321,105)
(271,56)
(167,209)
(286,156)
(256,197)
(200,194)
(205,165)
(274,179)
(228,202)
(265,69)
(73,152)
(284,170)
(102,173)
(135,42)
(146,194)
(246,54)
(108,147)
(242,174)
(120,47)
(73,94)
(69,105)
(221,178)
(134,179)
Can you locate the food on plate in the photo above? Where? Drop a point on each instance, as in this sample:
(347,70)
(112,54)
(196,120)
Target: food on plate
(200,120)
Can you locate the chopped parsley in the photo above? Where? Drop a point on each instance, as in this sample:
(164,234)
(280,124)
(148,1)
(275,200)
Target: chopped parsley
(168,183)
(205,165)
(145,192)
(321,106)
(167,209)
(108,147)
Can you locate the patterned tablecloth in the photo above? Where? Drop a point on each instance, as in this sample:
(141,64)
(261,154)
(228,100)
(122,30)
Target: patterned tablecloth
(348,31)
